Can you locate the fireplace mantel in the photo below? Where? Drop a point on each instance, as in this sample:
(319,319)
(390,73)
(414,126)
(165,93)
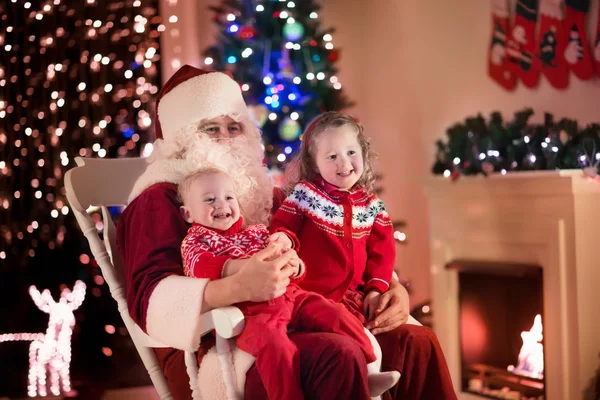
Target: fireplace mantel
(547,218)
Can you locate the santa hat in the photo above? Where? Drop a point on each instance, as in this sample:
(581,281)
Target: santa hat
(192,95)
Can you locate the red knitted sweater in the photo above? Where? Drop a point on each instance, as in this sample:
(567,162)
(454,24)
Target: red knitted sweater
(346,238)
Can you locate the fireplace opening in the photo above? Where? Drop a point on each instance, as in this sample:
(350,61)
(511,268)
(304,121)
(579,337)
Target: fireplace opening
(501,329)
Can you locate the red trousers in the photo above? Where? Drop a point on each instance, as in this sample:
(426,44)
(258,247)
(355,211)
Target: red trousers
(265,336)
(354,303)
(333,367)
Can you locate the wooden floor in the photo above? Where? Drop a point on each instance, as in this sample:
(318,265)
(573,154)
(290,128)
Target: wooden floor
(138,393)
(146,393)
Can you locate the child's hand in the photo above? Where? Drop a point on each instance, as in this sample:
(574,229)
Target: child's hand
(296,265)
(281,239)
(370,304)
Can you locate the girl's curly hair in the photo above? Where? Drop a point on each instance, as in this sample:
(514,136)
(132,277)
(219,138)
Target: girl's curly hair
(302,166)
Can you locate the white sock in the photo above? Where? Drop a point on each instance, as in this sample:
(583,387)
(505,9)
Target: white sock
(378,381)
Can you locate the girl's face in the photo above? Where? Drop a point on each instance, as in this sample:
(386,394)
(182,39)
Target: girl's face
(221,128)
(338,156)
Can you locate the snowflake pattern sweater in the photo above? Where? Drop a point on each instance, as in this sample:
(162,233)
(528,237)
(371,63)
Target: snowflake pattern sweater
(346,237)
(204,251)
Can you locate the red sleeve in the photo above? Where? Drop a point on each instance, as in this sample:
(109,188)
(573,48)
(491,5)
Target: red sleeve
(292,236)
(199,259)
(149,235)
(278,198)
(288,218)
(381,252)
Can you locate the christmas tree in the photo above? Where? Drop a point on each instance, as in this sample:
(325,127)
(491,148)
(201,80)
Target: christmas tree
(77,79)
(285,64)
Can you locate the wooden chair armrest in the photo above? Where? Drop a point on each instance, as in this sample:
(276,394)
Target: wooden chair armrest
(227,321)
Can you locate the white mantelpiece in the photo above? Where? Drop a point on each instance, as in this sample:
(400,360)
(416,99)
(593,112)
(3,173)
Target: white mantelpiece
(547,218)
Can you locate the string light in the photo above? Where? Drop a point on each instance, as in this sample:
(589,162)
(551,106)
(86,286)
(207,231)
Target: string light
(39,121)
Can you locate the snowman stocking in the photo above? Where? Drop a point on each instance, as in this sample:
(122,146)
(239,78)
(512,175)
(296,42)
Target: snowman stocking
(497,64)
(577,52)
(597,46)
(551,44)
(521,44)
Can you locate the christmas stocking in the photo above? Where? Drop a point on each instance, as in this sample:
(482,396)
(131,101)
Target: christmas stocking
(551,44)
(497,65)
(597,46)
(577,52)
(521,44)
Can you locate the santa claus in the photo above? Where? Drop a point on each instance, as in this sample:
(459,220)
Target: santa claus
(202,120)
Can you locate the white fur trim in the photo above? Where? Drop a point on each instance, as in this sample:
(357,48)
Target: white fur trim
(173,316)
(201,97)
(242,361)
(210,371)
(173,171)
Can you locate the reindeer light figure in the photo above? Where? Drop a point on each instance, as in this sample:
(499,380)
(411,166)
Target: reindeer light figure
(50,353)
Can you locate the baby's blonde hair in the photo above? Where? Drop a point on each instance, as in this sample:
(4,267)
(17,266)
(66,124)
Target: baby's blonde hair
(186,184)
(302,166)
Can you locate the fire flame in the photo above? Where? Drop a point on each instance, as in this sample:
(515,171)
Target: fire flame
(531,355)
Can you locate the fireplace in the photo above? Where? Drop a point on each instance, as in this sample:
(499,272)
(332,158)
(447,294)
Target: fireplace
(543,224)
(501,343)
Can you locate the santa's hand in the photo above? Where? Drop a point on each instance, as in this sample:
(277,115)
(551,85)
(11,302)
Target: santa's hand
(281,239)
(392,311)
(370,304)
(265,275)
(275,250)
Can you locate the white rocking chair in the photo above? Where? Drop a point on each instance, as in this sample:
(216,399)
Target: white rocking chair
(108,182)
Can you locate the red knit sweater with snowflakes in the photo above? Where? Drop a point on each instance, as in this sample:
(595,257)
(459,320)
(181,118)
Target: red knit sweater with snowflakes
(346,238)
(204,250)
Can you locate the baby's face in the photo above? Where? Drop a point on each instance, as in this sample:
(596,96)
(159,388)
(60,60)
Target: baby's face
(211,201)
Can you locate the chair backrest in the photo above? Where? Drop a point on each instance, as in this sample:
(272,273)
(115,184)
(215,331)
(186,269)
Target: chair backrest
(102,183)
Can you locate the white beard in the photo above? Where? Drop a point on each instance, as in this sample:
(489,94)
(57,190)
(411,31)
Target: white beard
(241,158)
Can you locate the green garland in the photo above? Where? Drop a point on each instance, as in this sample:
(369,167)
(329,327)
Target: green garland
(476,146)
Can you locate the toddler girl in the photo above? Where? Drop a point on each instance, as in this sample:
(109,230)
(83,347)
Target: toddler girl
(346,235)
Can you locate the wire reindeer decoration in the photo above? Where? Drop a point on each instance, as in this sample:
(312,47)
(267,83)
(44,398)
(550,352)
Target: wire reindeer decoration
(50,352)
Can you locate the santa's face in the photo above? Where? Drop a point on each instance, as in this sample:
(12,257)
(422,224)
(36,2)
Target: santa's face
(221,128)
(236,149)
(211,201)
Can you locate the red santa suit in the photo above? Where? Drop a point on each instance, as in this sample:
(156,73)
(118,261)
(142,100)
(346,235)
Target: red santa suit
(204,251)
(347,241)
